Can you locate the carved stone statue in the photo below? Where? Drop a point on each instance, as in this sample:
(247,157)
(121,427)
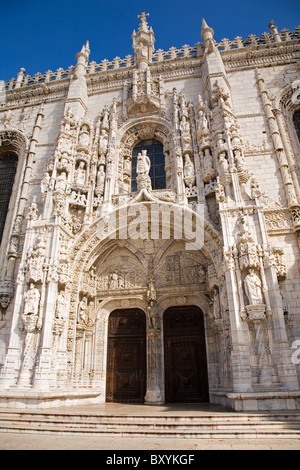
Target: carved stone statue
(84,136)
(32,298)
(208,170)
(83,313)
(239,160)
(143,163)
(253,288)
(80,174)
(142,169)
(103,142)
(215,304)
(61,181)
(45,182)
(184,125)
(223,164)
(189,171)
(152,311)
(151,292)
(61,306)
(100,180)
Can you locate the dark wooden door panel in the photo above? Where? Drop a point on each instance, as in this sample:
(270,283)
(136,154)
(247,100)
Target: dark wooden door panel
(126,358)
(185,356)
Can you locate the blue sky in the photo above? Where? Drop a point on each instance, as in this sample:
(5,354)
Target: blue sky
(42,35)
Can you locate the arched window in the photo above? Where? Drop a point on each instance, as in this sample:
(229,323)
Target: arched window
(157,171)
(296,119)
(8,167)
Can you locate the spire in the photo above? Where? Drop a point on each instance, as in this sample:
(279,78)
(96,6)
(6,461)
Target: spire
(207,35)
(82,60)
(206,30)
(143,43)
(77,95)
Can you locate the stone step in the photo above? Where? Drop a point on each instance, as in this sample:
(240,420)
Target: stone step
(199,433)
(226,418)
(133,424)
(204,426)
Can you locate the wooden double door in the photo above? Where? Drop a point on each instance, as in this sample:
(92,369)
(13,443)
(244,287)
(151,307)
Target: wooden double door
(184,352)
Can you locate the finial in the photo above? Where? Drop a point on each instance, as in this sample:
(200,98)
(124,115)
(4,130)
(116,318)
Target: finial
(82,60)
(204,24)
(144,24)
(20,78)
(86,49)
(143,43)
(274,31)
(206,29)
(207,35)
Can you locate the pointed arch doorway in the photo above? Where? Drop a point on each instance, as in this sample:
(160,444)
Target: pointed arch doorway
(126,356)
(186,379)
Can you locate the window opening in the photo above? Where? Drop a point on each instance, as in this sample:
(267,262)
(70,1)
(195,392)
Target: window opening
(8,167)
(157,170)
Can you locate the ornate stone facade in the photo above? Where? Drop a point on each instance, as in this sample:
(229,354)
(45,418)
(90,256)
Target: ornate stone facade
(79,243)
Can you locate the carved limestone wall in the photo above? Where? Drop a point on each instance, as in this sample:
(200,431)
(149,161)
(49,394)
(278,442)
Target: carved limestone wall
(79,244)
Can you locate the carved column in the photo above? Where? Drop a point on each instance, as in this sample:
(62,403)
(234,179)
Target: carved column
(14,351)
(49,291)
(284,167)
(240,357)
(154,393)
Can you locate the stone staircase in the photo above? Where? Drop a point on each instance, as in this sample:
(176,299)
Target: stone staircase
(207,426)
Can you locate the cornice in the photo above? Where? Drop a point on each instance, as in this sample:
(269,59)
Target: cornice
(261,55)
(252,56)
(34,94)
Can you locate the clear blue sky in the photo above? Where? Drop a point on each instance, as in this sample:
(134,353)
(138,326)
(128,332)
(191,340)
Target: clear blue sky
(42,35)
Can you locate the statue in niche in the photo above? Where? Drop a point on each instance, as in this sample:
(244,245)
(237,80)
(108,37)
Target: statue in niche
(208,160)
(79,177)
(84,136)
(208,169)
(105,121)
(253,288)
(239,160)
(32,298)
(127,165)
(61,306)
(151,292)
(143,163)
(45,183)
(184,125)
(103,142)
(83,313)
(215,304)
(100,180)
(61,181)
(64,163)
(189,171)
(152,310)
(223,164)
(142,169)
(202,125)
